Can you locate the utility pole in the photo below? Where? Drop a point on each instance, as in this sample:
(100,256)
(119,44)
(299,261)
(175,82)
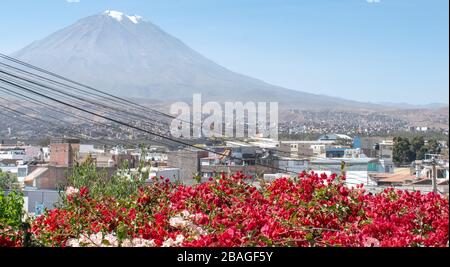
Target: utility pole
(434,176)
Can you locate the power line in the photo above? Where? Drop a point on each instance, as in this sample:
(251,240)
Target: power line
(95,103)
(82,85)
(127,124)
(75,97)
(85,86)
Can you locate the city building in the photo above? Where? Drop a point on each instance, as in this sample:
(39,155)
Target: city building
(12,153)
(335,137)
(64,154)
(291,165)
(335,152)
(304,149)
(173,174)
(356,170)
(295,149)
(354,153)
(375,147)
(188,162)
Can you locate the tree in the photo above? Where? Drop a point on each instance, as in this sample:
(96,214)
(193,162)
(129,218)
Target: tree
(407,151)
(11,209)
(7,180)
(418,148)
(433,147)
(402,152)
(119,185)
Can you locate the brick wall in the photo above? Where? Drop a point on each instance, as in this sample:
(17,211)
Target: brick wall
(56,176)
(64,154)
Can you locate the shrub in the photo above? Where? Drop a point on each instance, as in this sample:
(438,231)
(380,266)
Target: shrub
(11,215)
(313,210)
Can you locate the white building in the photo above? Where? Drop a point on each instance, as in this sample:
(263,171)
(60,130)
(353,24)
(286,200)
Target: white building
(45,154)
(292,165)
(90,149)
(264,142)
(356,169)
(118,151)
(12,154)
(273,176)
(354,153)
(318,147)
(155,156)
(173,174)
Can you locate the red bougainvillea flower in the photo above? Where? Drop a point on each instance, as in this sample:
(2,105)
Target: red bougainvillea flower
(311,210)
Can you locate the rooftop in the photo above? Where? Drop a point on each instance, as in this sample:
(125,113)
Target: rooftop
(394,177)
(338,161)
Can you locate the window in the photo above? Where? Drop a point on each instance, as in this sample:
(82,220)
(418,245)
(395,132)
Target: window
(22,172)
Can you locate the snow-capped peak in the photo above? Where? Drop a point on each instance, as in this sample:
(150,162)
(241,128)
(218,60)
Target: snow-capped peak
(114,14)
(135,19)
(119,16)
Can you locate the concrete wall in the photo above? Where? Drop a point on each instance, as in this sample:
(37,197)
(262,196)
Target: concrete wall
(353,178)
(296,150)
(56,176)
(291,165)
(47,198)
(33,198)
(172,174)
(188,162)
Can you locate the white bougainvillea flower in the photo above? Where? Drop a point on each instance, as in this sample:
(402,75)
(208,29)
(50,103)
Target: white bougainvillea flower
(168,243)
(72,191)
(73,242)
(178,222)
(112,240)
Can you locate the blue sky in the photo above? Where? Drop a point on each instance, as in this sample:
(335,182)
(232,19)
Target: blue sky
(366,50)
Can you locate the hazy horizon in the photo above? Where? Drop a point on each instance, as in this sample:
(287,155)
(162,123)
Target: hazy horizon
(359,50)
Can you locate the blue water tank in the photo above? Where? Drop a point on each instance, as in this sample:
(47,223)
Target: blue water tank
(357,142)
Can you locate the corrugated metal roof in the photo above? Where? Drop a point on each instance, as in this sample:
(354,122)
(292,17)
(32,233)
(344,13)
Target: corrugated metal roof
(338,161)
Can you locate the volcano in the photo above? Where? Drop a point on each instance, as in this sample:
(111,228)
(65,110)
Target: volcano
(131,57)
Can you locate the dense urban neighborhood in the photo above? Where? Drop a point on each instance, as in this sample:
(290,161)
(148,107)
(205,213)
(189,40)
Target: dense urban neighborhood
(358,164)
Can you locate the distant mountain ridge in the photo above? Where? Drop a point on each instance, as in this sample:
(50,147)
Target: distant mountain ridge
(413,106)
(131,57)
